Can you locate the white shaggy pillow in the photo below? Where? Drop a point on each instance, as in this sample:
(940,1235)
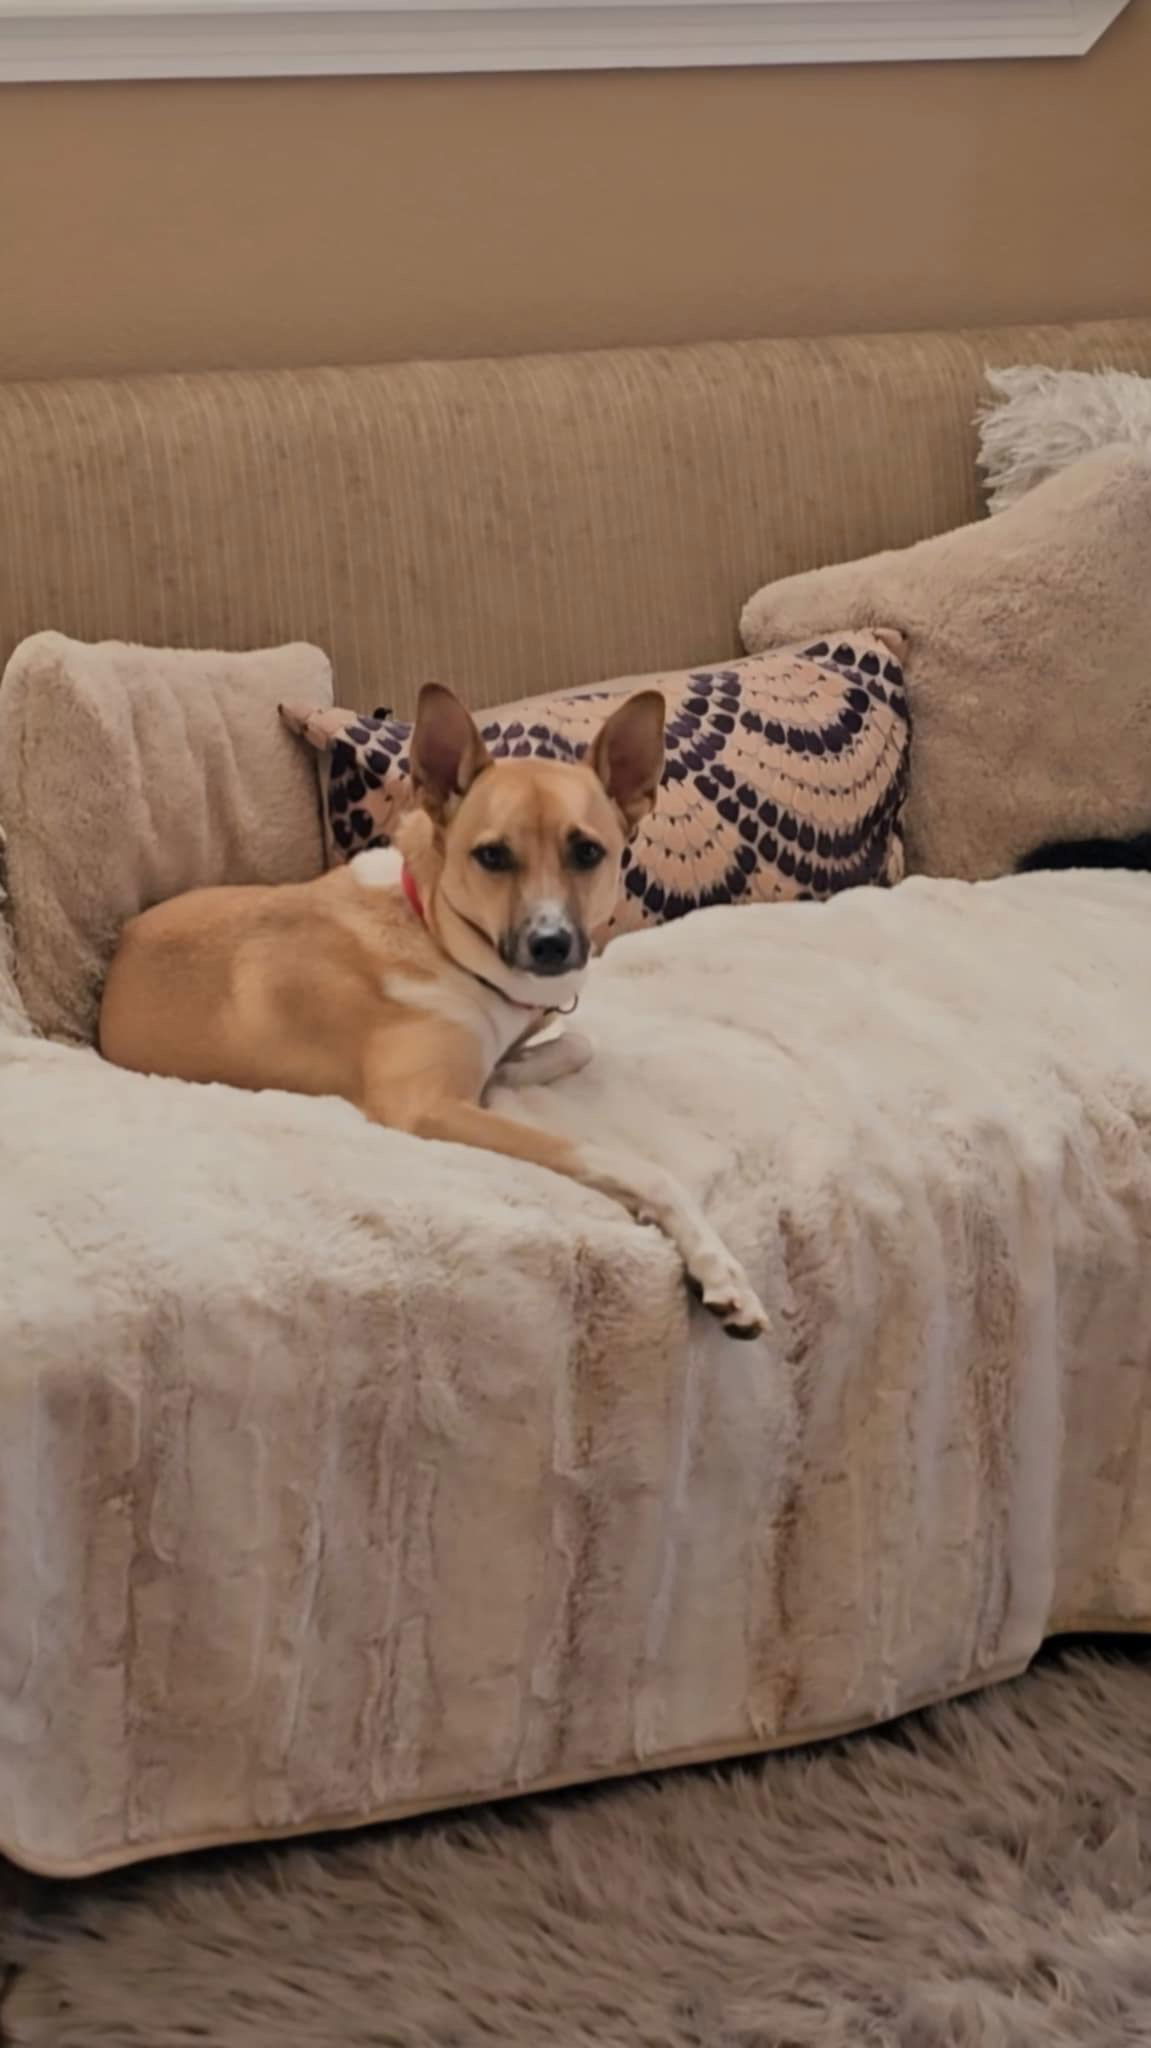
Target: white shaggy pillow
(1043,420)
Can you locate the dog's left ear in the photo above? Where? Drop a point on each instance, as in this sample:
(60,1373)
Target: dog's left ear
(446,752)
(627,755)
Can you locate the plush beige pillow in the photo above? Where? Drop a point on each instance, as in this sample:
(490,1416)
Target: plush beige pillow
(128,774)
(1028,666)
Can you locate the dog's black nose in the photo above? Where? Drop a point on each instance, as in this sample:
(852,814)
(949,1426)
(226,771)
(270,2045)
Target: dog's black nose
(550,949)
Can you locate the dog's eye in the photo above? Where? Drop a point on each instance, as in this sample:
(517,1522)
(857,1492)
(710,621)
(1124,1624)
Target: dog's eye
(585,853)
(495,856)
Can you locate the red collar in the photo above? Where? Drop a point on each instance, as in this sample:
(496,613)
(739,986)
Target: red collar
(411,891)
(408,883)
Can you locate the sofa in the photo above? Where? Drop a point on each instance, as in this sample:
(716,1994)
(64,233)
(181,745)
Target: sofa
(344,1476)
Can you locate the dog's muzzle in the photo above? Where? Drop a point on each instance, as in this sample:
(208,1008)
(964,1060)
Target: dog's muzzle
(546,943)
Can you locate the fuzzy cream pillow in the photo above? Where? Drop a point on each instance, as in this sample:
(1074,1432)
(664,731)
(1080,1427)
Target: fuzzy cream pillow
(128,774)
(1044,420)
(1028,666)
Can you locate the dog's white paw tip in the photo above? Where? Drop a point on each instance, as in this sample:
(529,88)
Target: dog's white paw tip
(743,1318)
(735,1306)
(745,1332)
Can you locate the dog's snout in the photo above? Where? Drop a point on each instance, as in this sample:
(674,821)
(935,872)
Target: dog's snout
(550,950)
(549,943)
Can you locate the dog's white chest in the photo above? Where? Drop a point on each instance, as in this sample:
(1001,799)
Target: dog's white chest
(459,999)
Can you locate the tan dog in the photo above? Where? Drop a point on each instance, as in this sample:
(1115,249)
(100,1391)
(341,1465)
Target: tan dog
(406,980)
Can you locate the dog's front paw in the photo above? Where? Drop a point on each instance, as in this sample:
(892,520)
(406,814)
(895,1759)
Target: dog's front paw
(720,1283)
(546,1059)
(574,1051)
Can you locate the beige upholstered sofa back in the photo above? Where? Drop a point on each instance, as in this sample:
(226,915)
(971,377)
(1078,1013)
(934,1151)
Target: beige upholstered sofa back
(505,527)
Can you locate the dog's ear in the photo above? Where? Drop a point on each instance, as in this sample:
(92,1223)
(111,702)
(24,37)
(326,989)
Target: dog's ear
(446,752)
(627,755)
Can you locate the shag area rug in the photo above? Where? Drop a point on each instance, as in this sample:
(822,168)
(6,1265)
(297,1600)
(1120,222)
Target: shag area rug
(977,1877)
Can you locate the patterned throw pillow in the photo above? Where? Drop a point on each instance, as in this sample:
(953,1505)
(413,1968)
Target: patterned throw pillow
(785,775)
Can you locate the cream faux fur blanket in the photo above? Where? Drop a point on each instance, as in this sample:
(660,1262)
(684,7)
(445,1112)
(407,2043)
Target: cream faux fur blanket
(344,1474)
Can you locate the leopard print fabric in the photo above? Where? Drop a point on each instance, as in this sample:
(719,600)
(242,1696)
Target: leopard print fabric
(784,779)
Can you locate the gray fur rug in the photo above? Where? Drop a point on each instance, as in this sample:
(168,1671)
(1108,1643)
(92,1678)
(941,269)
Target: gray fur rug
(976,1878)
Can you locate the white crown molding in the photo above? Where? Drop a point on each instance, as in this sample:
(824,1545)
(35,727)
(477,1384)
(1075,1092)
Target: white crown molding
(103,39)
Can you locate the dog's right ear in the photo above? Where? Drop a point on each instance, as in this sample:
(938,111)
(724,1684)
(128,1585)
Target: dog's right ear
(446,752)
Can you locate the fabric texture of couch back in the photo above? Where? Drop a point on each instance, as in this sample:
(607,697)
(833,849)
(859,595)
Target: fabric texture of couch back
(506,527)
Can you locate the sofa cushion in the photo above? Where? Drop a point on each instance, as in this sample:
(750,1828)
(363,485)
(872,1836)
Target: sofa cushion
(784,777)
(1028,669)
(128,774)
(345,1475)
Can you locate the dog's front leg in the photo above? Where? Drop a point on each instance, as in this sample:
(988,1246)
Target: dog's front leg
(536,1065)
(405,1088)
(653,1196)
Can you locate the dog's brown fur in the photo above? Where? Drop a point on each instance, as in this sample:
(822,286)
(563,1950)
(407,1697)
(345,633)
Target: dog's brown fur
(338,986)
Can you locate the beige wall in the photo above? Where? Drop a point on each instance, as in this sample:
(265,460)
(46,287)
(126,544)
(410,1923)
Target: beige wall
(175,225)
